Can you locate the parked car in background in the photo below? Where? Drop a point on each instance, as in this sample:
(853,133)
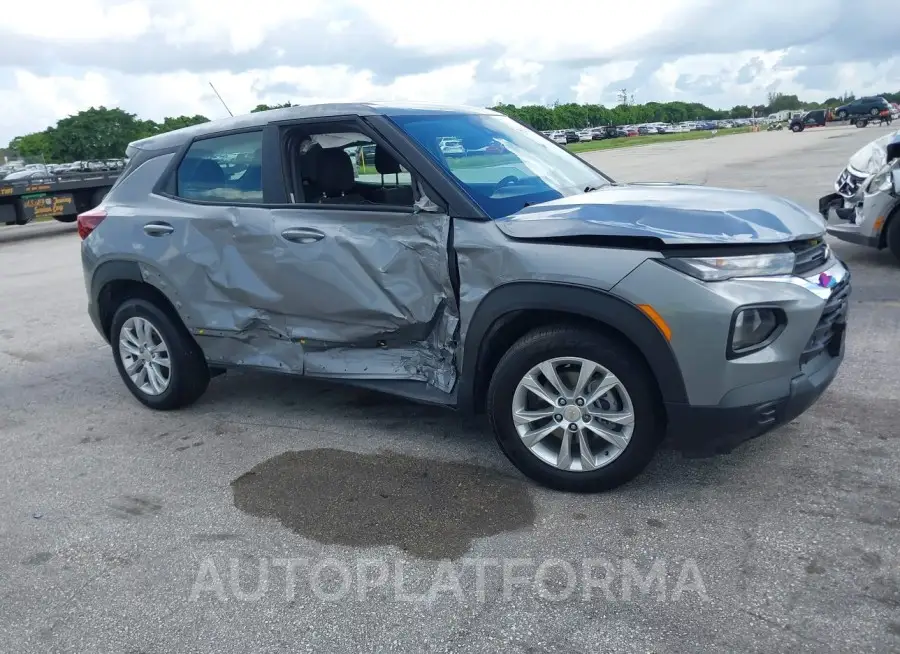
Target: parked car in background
(559,138)
(452,147)
(814,118)
(28,175)
(868,106)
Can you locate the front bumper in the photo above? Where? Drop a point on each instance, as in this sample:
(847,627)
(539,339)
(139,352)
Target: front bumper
(707,431)
(852,234)
(835,204)
(749,411)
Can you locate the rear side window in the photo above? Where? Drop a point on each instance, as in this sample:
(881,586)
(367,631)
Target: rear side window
(222,169)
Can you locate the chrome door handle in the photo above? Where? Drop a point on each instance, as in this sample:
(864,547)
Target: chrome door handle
(158,229)
(302,235)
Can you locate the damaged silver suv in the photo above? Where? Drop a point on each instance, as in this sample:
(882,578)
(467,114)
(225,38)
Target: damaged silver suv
(587,318)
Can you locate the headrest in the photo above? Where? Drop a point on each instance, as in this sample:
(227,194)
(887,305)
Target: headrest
(385,164)
(207,171)
(334,171)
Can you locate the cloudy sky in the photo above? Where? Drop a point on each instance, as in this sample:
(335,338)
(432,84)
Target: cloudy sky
(157,57)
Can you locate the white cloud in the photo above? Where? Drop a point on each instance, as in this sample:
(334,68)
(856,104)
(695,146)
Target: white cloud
(157,57)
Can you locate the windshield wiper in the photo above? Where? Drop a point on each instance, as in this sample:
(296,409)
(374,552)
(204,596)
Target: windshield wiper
(588,189)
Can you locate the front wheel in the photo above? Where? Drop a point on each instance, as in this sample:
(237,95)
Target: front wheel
(575,410)
(797,128)
(842,115)
(892,237)
(873,111)
(157,358)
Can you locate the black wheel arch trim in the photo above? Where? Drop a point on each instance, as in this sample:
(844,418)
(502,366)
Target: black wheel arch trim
(113,271)
(585,302)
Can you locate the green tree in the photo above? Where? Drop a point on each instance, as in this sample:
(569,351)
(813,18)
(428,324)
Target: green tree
(267,107)
(171,123)
(32,146)
(96,133)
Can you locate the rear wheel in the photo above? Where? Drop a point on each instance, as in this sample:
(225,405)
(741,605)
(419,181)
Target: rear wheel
(873,111)
(862,122)
(841,115)
(575,410)
(156,357)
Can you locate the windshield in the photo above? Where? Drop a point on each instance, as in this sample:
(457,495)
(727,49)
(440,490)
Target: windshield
(502,165)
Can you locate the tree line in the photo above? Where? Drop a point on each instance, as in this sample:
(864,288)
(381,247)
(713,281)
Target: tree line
(104,133)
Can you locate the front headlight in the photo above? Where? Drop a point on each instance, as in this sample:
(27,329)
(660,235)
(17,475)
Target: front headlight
(717,269)
(881,181)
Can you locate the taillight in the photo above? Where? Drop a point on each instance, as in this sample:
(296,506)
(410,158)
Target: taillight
(88,221)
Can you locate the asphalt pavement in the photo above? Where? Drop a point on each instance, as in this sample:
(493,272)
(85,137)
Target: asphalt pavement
(280,515)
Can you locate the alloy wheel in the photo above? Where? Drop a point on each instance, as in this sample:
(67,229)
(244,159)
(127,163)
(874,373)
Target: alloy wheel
(573,414)
(145,356)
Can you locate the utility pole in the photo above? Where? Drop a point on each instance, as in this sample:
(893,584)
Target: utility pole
(623,96)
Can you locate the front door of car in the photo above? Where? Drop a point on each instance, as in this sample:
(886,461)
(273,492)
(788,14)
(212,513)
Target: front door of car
(363,286)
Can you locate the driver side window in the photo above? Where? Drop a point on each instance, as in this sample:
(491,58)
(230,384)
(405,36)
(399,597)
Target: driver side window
(347,168)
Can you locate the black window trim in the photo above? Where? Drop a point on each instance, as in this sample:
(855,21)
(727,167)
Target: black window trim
(166,185)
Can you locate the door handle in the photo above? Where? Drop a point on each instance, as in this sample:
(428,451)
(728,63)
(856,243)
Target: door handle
(302,235)
(158,229)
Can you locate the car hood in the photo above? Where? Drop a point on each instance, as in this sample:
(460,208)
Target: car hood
(674,214)
(869,159)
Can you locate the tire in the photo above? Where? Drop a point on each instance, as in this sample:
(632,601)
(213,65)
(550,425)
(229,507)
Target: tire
(797,128)
(892,237)
(65,219)
(873,111)
(188,373)
(862,122)
(841,115)
(561,342)
(98,195)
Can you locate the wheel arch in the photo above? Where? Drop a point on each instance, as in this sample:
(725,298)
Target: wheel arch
(116,281)
(511,310)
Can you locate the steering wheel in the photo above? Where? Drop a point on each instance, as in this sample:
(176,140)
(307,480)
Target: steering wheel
(506,181)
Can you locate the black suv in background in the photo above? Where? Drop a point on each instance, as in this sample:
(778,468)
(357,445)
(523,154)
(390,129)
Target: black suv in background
(871,106)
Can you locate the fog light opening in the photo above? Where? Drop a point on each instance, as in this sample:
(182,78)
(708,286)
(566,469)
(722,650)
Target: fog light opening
(754,328)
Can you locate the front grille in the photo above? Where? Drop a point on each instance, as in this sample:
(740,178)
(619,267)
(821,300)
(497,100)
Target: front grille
(810,254)
(848,184)
(830,328)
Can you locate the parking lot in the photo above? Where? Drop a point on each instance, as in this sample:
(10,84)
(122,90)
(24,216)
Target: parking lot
(284,515)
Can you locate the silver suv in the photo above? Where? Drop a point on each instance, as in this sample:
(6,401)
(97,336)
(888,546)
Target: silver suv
(587,318)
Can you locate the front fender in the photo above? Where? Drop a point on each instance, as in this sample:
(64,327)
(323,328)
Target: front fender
(581,301)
